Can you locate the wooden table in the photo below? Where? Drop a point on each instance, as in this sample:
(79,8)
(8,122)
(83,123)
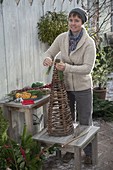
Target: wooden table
(18,115)
(88,134)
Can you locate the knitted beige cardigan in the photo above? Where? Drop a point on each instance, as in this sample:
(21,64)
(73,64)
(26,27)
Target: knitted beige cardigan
(79,63)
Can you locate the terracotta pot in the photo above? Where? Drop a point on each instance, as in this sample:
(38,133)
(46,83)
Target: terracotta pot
(100,93)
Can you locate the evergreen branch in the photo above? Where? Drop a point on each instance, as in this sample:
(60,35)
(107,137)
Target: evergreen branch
(48,70)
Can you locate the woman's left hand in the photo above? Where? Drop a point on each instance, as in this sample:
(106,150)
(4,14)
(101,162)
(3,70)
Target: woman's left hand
(60,66)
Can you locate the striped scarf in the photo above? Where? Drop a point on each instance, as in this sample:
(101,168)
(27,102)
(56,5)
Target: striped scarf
(73,40)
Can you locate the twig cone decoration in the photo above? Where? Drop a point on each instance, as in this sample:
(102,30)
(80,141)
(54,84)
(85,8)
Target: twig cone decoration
(59,115)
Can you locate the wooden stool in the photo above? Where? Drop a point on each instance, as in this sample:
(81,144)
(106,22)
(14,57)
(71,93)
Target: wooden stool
(82,142)
(88,135)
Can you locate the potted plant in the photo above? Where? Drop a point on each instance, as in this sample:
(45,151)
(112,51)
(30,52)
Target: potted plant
(103,66)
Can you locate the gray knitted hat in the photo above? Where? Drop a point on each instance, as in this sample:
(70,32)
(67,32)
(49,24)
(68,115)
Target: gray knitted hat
(81,12)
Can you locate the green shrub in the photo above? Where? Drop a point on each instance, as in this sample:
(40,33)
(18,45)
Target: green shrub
(102,109)
(51,25)
(28,155)
(3,128)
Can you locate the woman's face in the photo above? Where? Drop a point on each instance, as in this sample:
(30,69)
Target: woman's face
(75,24)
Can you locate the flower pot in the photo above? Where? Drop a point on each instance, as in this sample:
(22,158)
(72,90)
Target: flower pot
(100,93)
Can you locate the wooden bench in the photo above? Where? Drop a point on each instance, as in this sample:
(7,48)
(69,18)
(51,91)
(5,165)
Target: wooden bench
(89,134)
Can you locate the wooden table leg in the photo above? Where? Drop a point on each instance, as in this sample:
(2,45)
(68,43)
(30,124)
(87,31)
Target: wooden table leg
(94,151)
(45,110)
(29,120)
(8,116)
(58,154)
(77,157)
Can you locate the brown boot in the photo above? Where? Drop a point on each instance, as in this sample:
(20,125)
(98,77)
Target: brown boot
(88,160)
(67,157)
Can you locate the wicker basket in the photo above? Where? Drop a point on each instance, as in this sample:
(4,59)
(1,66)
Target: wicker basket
(59,115)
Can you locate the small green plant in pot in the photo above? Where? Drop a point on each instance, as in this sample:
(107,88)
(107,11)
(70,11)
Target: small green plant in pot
(101,70)
(100,73)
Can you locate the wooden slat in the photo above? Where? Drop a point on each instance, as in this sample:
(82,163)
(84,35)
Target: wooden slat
(95,151)
(17,124)
(43,136)
(29,120)
(92,130)
(77,158)
(12,44)
(17,1)
(3,71)
(30,1)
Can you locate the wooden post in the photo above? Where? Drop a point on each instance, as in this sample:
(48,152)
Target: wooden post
(77,157)
(45,108)
(29,120)
(8,116)
(94,150)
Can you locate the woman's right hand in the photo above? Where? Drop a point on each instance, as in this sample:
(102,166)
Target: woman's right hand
(48,62)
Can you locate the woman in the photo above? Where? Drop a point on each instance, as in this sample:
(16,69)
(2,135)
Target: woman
(78,54)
